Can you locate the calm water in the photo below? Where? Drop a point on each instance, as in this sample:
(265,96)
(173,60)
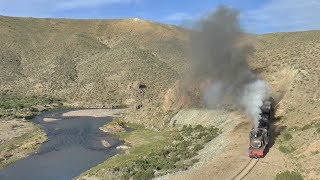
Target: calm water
(74,146)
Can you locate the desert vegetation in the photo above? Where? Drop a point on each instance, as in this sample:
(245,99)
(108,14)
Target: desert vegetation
(289,175)
(155,153)
(19,106)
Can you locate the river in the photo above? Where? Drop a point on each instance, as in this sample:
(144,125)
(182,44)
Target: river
(75,145)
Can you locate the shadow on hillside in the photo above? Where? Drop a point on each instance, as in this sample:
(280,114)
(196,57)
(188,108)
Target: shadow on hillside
(274,132)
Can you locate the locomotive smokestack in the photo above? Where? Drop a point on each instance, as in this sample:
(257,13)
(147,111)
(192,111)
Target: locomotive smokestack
(218,55)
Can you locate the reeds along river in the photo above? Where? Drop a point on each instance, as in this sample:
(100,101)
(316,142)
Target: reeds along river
(75,145)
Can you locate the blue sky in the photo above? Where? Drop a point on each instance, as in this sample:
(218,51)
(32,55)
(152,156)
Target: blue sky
(257,16)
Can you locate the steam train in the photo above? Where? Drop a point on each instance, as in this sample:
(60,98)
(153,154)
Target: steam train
(259,137)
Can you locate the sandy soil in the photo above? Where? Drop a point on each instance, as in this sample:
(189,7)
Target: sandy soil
(13,128)
(89,113)
(95,113)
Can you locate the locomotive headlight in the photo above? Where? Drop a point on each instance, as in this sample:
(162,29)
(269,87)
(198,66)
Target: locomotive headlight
(256,144)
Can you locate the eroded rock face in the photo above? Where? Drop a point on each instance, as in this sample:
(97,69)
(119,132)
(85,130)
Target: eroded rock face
(174,98)
(184,93)
(136,91)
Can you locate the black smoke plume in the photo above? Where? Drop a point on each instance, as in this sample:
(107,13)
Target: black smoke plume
(219,55)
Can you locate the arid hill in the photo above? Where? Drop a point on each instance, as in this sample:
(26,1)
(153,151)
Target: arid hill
(115,62)
(91,63)
(100,63)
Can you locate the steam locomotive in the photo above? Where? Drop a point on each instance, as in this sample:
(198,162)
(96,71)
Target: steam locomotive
(259,137)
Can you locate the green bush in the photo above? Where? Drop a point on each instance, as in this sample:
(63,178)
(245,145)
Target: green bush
(18,106)
(143,175)
(186,129)
(198,147)
(10,101)
(289,175)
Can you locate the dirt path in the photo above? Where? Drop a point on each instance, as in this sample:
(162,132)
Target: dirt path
(246,170)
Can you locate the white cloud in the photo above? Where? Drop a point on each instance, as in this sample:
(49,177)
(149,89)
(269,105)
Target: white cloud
(283,15)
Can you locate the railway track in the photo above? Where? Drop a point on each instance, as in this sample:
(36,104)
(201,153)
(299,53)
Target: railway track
(246,170)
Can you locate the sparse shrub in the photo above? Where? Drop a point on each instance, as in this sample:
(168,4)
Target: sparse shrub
(199,128)
(286,149)
(208,138)
(202,134)
(179,137)
(119,106)
(187,130)
(286,136)
(12,101)
(279,118)
(142,175)
(305,127)
(178,155)
(316,124)
(181,166)
(193,161)
(29,117)
(294,128)
(289,175)
(121,122)
(315,152)
(290,109)
(198,147)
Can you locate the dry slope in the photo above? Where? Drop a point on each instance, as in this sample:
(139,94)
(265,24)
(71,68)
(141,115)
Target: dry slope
(91,62)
